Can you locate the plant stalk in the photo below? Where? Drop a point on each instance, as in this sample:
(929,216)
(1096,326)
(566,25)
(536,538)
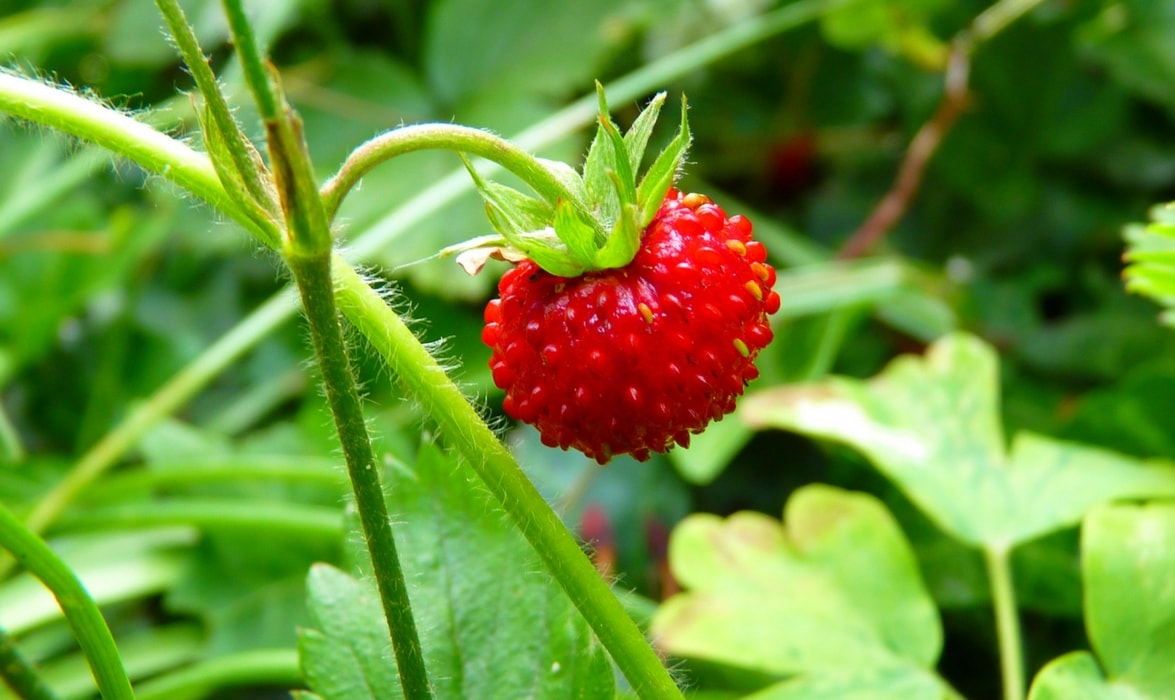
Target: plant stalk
(1007,620)
(313,277)
(81,613)
(443,401)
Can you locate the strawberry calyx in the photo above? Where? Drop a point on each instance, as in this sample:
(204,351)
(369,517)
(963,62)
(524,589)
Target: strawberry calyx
(595,220)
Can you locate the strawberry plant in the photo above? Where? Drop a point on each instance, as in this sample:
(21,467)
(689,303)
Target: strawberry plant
(574,426)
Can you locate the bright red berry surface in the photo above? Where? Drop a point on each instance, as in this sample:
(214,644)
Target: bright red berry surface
(635,359)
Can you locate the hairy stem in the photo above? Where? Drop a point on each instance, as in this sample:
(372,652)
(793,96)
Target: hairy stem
(313,276)
(1007,620)
(238,147)
(449,137)
(81,613)
(427,382)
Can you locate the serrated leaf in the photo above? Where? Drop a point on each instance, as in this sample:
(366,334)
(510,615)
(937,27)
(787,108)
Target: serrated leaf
(932,426)
(834,591)
(1128,562)
(1151,269)
(491,624)
(345,650)
(663,172)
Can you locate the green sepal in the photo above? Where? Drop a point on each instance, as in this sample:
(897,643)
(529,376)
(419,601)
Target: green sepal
(598,220)
(577,233)
(623,243)
(637,138)
(662,173)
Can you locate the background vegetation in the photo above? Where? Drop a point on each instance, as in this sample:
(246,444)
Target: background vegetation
(115,287)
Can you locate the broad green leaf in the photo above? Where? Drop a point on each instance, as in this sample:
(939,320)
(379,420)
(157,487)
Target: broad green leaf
(857,684)
(602,199)
(833,590)
(932,426)
(345,649)
(1077,676)
(1128,563)
(487,615)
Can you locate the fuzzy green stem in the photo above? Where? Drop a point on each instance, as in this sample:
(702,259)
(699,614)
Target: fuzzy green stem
(238,147)
(443,401)
(81,613)
(19,673)
(448,137)
(1007,620)
(313,276)
(250,55)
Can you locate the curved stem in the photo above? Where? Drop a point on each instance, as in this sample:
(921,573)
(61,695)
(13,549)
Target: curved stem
(1007,620)
(81,613)
(449,137)
(443,401)
(148,148)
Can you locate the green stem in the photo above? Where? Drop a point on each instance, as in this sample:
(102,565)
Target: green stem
(277,667)
(313,276)
(449,137)
(20,674)
(443,401)
(240,150)
(1007,620)
(255,74)
(148,148)
(81,613)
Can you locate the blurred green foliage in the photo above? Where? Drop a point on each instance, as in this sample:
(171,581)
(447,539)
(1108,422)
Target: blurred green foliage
(111,282)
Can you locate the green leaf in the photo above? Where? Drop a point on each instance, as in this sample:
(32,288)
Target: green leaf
(1128,563)
(856,684)
(837,591)
(932,426)
(345,650)
(602,199)
(488,618)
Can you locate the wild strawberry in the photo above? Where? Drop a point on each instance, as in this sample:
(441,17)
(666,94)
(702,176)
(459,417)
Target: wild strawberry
(628,324)
(634,359)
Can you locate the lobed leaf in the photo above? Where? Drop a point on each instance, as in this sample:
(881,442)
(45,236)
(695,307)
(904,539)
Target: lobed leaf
(492,622)
(834,590)
(932,426)
(1128,563)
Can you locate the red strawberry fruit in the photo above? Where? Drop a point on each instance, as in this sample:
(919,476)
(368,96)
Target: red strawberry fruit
(627,342)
